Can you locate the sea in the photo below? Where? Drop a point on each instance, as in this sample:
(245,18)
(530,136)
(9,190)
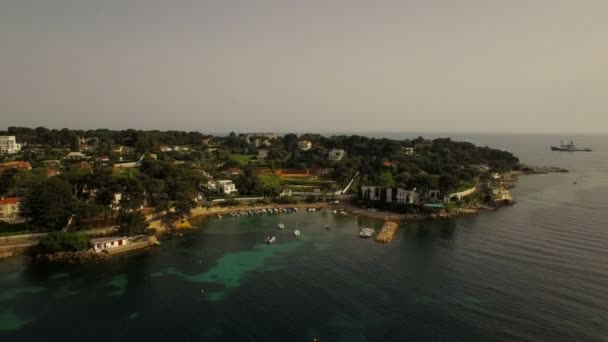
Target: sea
(534,271)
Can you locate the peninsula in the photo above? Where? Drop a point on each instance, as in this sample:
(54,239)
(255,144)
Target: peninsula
(62,187)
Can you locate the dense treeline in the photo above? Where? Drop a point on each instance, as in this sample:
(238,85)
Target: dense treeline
(142,141)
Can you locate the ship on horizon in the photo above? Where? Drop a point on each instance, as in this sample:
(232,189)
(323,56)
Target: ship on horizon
(569,148)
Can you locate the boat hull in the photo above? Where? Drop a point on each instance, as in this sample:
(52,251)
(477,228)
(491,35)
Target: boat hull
(553,148)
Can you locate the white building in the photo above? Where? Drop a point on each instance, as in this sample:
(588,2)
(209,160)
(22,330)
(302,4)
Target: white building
(226,186)
(107,243)
(181,148)
(262,154)
(392,195)
(373,193)
(260,139)
(405,196)
(286,193)
(75,156)
(304,145)
(337,154)
(408,151)
(9,145)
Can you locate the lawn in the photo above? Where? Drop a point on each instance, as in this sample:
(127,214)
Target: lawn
(243,159)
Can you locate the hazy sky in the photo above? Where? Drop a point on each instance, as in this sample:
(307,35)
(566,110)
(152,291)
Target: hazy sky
(306,65)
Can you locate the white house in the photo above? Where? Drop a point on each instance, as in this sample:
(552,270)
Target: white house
(286,193)
(9,210)
(181,148)
(226,186)
(262,154)
(9,145)
(107,243)
(304,145)
(260,139)
(75,156)
(165,148)
(337,154)
(408,151)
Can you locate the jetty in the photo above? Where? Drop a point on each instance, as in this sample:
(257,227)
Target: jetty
(387,233)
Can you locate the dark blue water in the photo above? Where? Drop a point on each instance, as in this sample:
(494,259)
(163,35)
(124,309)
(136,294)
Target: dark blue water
(536,271)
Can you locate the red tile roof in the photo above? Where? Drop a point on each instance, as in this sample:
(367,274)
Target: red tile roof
(16,165)
(10,200)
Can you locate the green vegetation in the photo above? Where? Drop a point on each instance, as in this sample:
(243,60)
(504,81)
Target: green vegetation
(132,223)
(49,204)
(63,242)
(18,228)
(243,159)
(92,193)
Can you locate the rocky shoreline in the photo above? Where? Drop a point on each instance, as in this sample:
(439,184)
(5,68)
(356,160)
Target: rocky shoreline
(71,257)
(540,170)
(442,214)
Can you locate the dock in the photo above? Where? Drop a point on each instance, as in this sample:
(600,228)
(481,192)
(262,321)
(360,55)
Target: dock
(387,233)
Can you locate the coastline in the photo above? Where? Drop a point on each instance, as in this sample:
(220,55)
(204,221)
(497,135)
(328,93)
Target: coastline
(199,213)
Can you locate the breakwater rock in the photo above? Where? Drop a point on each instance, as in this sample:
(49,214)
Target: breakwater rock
(387,233)
(72,257)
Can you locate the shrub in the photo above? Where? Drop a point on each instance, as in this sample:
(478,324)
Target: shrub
(63,242)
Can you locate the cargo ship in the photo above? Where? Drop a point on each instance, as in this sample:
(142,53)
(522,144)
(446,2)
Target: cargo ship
(569,148)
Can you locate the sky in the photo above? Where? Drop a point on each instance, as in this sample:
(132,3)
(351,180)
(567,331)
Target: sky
(306,66)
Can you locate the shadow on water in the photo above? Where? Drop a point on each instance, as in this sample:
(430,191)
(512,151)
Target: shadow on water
(445,230)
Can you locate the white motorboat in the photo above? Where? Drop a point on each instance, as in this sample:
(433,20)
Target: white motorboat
(366,232)
(327,227)
(270,239)
(296,232)
(281,226)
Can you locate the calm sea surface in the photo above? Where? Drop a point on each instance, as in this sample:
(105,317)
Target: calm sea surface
(536,271)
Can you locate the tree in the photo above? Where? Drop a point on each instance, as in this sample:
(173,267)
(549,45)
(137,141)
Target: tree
(133,194)
(448,182)
(386,180)
(132,222)
(50,204)
(247,183)
(183,209)
(290,141)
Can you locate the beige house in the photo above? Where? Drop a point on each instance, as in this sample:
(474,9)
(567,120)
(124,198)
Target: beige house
(9,210)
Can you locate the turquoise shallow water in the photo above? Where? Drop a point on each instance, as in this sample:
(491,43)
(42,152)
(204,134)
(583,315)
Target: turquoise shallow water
(537,271)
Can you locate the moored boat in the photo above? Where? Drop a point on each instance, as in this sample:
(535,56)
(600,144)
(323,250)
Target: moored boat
(366,232)
(296,232)
(270,239)
(281,226)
